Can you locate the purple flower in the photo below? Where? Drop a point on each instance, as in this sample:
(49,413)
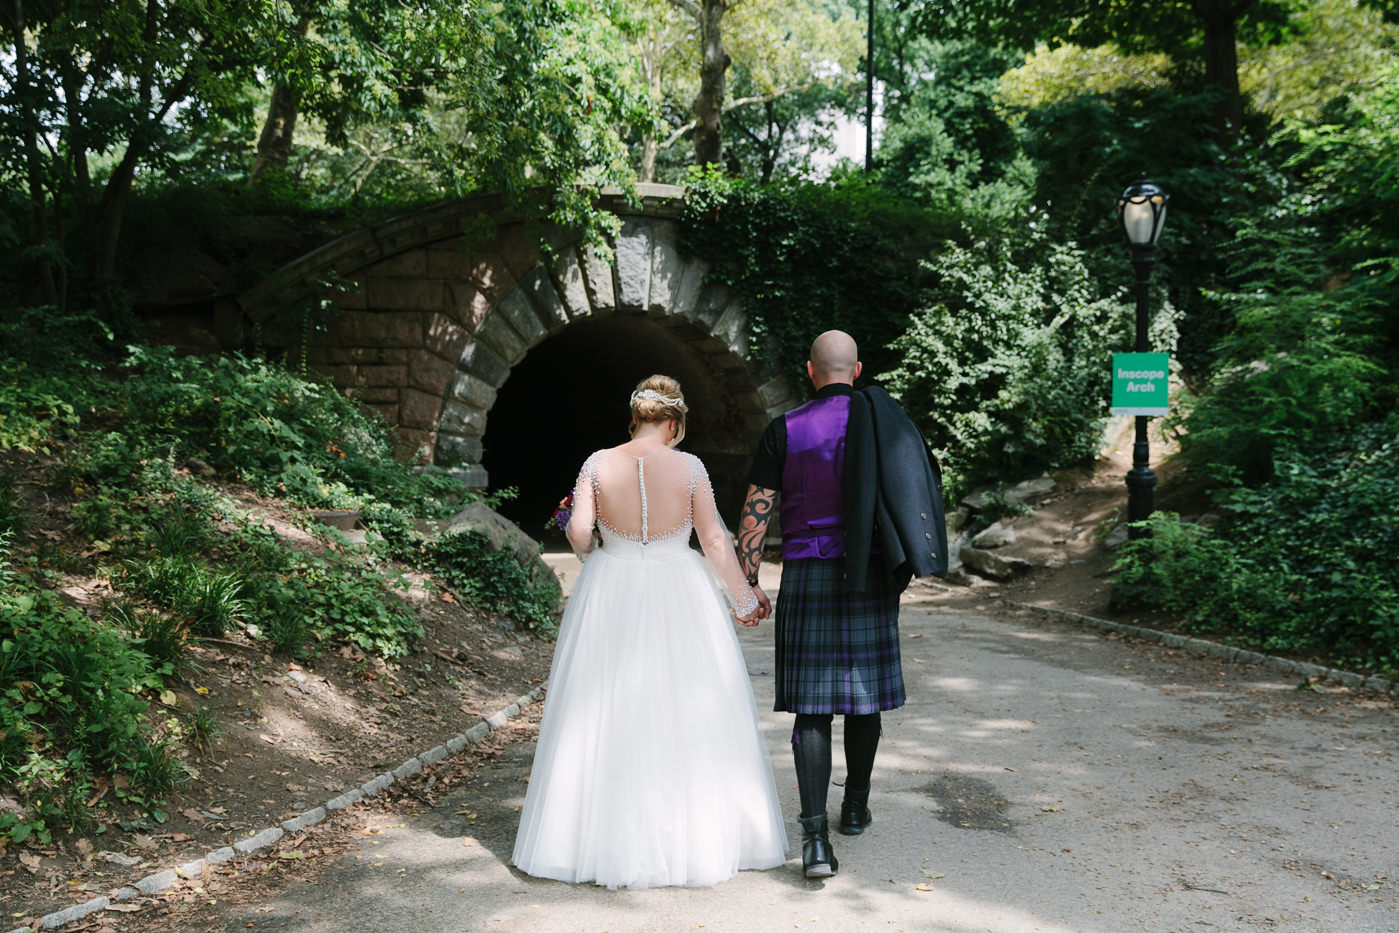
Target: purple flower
(562,514)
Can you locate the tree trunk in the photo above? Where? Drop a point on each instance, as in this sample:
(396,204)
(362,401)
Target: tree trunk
(274,143)
(709,102)
(1222,63)
(33,160)
(650,148)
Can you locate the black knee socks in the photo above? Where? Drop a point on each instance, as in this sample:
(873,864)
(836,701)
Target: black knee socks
(811,749)
(861,742)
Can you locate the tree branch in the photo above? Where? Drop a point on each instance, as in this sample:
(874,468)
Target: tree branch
(687,6)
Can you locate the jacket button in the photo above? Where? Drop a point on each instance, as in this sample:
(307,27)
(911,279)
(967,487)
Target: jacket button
(928,536)
(924,515)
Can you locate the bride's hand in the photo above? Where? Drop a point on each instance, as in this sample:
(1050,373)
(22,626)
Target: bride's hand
(758,613)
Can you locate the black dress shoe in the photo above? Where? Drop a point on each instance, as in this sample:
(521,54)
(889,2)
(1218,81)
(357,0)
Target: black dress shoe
(818,858)
(855,813)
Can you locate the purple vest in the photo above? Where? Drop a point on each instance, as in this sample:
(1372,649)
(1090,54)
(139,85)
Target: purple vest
(813,504)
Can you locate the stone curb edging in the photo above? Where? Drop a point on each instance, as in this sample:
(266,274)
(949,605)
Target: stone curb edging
(160,881)
(1226,652)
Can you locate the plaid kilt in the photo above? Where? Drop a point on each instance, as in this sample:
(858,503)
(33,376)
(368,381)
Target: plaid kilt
(836,652)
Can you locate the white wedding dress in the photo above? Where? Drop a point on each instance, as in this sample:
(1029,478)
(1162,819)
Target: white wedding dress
(649,769)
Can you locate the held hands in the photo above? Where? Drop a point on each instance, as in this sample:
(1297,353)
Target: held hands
(761,612)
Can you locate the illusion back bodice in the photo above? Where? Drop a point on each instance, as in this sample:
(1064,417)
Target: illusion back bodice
(643,503)
(645,507)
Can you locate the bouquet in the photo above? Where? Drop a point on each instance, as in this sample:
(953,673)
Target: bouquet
(562,513)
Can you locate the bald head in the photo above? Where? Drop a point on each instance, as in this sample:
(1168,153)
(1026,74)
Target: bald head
(834,358)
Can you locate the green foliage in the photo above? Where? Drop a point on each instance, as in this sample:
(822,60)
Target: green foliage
(277,431)
(493,581)
(808,258)
(293,597)
(71,709)
(944,136)
(1302,565)
(1006,371)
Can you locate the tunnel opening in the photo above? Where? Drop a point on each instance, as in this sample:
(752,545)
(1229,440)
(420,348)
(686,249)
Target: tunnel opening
(569,397)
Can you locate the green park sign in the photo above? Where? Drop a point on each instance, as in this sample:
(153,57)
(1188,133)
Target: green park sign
(1140,383)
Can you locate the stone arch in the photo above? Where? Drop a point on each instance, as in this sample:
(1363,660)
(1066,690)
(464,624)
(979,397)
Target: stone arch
(435,317)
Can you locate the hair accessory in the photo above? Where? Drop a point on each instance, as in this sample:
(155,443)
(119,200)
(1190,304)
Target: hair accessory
(651,394)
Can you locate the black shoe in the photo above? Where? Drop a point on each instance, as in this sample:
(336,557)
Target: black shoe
(855,813)
(818,858)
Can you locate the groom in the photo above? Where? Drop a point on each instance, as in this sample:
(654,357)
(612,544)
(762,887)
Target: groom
(861,514)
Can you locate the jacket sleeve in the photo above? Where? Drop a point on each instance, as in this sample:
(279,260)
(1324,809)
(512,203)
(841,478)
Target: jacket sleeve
(914,536)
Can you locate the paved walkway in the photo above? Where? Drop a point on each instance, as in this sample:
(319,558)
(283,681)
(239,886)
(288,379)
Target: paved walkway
(1042,777)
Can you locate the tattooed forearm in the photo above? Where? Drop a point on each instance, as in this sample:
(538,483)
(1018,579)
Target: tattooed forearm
(752,529)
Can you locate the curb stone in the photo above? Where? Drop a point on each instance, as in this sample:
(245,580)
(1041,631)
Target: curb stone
(162,880)
(1224,652)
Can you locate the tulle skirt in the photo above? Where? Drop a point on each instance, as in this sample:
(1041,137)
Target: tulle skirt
(649,769)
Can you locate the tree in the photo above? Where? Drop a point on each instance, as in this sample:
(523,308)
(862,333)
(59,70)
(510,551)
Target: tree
(1208,29)
(98,94)
(97,89)
(778,48)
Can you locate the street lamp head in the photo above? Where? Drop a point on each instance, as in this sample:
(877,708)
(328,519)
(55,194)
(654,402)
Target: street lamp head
(1142,210)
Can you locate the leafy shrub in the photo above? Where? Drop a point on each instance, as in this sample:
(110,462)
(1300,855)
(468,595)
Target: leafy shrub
(1007,370)
(807,258)
(283,434)
(71,709)
(295,596)
(493,581)
(1303,564)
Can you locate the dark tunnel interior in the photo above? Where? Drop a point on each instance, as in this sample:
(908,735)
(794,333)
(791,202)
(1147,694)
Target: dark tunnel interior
(569,396)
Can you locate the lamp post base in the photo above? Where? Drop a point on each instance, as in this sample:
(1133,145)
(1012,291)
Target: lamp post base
(1141,499)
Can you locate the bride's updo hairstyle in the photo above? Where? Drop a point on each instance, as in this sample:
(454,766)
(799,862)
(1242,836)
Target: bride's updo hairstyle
(658,398)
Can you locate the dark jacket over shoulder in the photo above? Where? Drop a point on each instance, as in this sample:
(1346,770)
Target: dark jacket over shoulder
(893,493)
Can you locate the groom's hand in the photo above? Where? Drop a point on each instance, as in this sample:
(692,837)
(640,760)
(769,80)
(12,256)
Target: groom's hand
(764,604)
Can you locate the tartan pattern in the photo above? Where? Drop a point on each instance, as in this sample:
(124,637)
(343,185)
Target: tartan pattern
(836,652)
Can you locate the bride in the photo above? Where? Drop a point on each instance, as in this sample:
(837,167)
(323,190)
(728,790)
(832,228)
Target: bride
(649,769)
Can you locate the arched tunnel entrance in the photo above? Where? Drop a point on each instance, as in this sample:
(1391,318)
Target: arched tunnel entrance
(569,397)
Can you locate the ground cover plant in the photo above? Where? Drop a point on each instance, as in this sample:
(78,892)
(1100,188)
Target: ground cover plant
(142,448)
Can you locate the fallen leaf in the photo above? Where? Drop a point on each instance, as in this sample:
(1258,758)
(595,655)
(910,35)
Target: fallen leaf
(925,886)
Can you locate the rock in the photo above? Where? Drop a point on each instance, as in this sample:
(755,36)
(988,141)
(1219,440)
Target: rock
(998,535)
(986,564)
(342,519)
(505,535)
(1116,538)
(994,566)
(1029,489)
(979,500)
(957,520)
(960,577)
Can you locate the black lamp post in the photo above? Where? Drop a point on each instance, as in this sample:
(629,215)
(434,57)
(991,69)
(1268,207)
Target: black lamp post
(1142,210)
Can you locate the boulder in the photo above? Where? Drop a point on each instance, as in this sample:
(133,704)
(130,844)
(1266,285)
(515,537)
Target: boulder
(1116,538)
(1030,489)
(998,535)
(994,566)
(503,535)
